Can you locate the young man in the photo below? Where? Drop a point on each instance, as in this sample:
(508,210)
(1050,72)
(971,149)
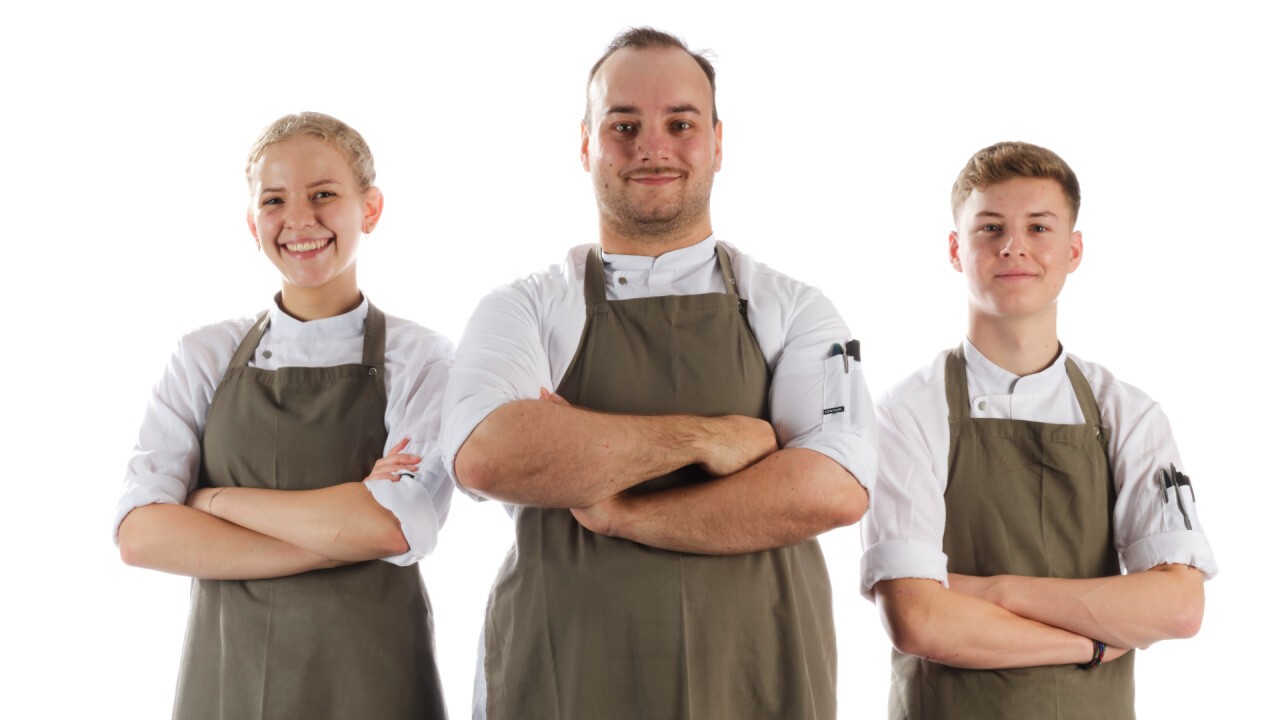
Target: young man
(1017,483)
(706,424)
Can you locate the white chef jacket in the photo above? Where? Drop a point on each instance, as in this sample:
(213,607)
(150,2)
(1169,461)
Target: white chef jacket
(165,465)
(523,336)
(902,531)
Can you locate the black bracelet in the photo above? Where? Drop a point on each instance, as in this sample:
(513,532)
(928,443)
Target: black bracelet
(1099,648)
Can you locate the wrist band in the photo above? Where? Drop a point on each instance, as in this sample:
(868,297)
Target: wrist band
(215,497)
(1099,649)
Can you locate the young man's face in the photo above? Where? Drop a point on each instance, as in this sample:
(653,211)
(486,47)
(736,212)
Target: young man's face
(1015,244)
(650,143)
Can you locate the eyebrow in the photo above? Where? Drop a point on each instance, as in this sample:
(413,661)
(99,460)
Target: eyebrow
(1037,214)
(633,110)
(310,185)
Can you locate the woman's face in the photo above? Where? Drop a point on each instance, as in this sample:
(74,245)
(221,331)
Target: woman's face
(308,214)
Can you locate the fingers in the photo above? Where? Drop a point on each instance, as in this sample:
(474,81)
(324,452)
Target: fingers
(545,394)
(395,464)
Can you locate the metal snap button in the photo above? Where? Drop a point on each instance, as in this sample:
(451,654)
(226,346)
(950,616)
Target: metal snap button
(266,354)
(982,405)
(622,281)
(373,371)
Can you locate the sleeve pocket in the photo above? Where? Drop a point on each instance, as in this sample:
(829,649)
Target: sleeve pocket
(836,409)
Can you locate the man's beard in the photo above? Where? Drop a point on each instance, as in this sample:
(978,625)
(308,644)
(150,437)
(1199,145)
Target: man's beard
(652,220)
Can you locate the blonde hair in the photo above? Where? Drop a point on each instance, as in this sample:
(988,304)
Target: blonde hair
(323,127)
(1006,161)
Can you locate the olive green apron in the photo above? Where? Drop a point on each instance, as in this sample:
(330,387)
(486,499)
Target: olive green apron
(587,627)
(348,642)
(1023,498)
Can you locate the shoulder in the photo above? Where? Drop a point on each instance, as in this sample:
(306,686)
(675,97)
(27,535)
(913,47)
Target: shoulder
(414,340)
(917,390)
(549,285)
(769,284)
(1112,394)
(220,338)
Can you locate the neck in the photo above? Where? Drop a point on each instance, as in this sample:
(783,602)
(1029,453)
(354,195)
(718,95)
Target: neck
(1023,346)
(308,304)
(619,241)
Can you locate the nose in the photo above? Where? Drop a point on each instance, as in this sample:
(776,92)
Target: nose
(653,144)
(1014,244)
(299,215)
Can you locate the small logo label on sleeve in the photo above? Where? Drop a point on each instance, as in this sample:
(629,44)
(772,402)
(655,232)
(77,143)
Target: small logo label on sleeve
(833,410)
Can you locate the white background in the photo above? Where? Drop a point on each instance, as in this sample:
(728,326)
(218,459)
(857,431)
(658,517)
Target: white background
(125,127)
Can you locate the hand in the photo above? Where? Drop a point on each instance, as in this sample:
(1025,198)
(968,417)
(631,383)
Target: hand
(736,443)
(395,463)
(545,394)
(604,517)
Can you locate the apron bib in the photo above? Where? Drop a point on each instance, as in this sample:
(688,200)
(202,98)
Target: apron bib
(1023,498)
(348,642)
(586,626)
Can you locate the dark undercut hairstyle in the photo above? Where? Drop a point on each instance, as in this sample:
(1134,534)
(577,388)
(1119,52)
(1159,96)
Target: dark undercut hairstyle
(1006,161)
(644,38)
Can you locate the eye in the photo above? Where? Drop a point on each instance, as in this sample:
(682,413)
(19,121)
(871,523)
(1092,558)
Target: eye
(1040,228)
(624,127)
(681,125)
(323,195)
(273,201)
(989,228)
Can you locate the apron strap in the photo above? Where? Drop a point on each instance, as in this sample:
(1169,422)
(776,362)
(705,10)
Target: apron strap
(244,353)
(726,270)
(375,338)
(957,379)
(1084,395)
(593,287)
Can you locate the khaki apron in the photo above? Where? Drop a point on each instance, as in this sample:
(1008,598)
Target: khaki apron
(347,642)
(1023,498)
(587,627)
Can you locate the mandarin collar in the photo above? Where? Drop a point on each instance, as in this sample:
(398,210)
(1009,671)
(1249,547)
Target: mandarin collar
(674,261)
(285,327)
(991,375)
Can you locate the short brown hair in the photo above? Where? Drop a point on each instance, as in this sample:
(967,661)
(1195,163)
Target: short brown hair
(323,127)
(1006,161)
(643,38)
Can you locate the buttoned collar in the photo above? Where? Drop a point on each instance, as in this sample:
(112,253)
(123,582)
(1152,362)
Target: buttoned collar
(286,328)
(673,262)
(994,379)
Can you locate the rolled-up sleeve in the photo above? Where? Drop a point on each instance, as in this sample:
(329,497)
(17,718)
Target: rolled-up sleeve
(819,397)
(902,532)
(1154,525)
(415,397)
(501,358)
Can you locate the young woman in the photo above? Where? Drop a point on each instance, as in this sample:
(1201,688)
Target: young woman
(288,463)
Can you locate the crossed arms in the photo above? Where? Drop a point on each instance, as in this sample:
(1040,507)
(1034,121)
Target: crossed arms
(547,453)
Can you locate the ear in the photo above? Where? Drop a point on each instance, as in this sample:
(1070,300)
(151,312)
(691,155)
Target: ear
(953,249)
(253,228)
(372,210)
(1077,251)
(585,150)
(719,142)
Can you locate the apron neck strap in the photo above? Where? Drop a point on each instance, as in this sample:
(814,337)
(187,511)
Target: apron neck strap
(1084,394)
(957,382)
(375,338)
(244,353)
(726,270)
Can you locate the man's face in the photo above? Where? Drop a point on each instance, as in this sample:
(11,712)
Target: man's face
(1015,245)
(650,144)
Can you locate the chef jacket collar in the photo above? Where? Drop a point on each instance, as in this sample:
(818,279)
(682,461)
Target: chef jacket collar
(286,328)
(673,261)
(987,375)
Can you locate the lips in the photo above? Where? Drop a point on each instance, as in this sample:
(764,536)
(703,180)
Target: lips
(653,176)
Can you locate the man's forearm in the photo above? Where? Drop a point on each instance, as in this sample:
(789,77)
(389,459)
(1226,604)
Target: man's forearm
(536,452)
(1133,610)
(788,497)
(951,628)
(184,541)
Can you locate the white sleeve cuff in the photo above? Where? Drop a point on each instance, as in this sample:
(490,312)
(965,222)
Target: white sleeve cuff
(853,452)
(420,514)
(1187,547)
(140,492)
(896,559)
